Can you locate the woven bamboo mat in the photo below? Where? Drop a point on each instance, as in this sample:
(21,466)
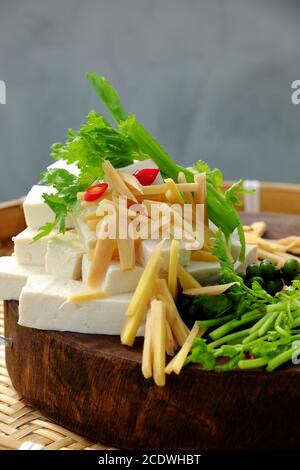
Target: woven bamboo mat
(24,428)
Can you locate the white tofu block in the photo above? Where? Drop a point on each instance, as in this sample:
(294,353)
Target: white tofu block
(205,273)
(116,281)
(141,165)
(209,273)
(43,305)
(36,211)
(70,167)
(146,248)
(29,252)
(87,236)
(13,277)
(250,257)
(64,256)
(235,247)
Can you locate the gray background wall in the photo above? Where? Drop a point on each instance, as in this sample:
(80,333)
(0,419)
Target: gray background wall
(211,79)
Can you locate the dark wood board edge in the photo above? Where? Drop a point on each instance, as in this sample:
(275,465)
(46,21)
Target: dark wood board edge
(105,397)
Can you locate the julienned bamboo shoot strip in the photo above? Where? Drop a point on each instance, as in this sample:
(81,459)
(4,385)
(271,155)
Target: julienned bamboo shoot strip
(173,268)
(141,297)
(126,248)
(172,193)
(116,181)
(171,345)
(143,291)
(179,329)
(157,189)
(82,297)
(158,341)
(188,194)
(200,193)
(185,349)
(101,259)
(147,358)
(210,290)
(206,256)
(186,280)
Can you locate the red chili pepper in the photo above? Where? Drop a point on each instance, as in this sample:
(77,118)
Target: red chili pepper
(146,176)
(95,192)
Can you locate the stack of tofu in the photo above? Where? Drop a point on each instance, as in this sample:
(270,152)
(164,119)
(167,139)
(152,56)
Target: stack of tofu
(44,274)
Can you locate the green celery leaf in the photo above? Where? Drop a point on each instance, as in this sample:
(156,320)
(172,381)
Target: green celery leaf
(108,95)
(236,189)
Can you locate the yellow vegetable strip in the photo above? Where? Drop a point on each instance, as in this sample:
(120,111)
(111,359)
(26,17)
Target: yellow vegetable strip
(209,290)
(200,193)
(116,181)
(263,254)
(182,354)
(147,357)
(86,296)
(171,344)
(186,280)
(158,341)
(188,194)
(126,248)
(173,267)
(92,224)
(206,256)
(157,189)
(143,291)
(141,298)
(132,181)
(177,325)
(172,193)
(100,262)
(259,228)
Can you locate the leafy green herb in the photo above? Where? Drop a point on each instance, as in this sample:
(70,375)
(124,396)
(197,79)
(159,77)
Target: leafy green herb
(202,354)
(108,95)
(236,189)
(213,305)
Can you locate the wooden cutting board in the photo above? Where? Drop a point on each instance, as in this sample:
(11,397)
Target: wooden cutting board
(94,386)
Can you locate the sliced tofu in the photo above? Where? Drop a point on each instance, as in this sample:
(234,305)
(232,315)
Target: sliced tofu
(147,246)
(116,281)
(141,165)
(209,273)
(29,252)
(36,211)
(43,305)
(70,167)
(250,257)
(87,236)
(13,277)
(235,247)
(64,256)
(206,273)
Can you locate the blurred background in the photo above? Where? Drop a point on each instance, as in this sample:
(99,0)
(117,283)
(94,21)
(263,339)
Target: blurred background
(211,79)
